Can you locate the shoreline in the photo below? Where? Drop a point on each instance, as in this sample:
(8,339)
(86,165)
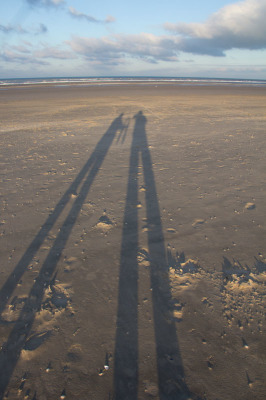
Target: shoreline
(144,88)
(147,81)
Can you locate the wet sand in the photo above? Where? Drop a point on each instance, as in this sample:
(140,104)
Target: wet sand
(133,259)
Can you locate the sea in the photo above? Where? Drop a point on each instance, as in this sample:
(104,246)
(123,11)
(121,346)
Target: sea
(88,81)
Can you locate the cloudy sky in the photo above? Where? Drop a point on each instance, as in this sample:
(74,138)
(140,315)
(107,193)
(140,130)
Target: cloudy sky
(207,38)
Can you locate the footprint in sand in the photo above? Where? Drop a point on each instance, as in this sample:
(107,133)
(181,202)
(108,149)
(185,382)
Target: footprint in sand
(87,207)
(171,230)
(104,223)
(69,261)
(13,310)
(143,258)
(183,274)
(57,300)
(242,286)
(178,311)
(145,228)
(142,188)
(57,296)
(36,340)
(75,353)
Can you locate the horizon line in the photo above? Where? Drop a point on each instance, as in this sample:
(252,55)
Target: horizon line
(131,77)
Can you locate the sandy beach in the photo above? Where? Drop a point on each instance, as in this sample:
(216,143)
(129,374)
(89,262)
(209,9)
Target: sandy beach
(133,258)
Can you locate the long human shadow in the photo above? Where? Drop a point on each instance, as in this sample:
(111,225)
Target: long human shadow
(16,341)
(16,275)
(169,363)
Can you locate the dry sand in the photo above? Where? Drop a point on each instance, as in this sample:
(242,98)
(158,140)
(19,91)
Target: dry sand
(133,242)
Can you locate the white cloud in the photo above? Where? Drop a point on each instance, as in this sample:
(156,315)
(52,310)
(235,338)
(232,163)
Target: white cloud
(22,49)
(19,30)
(113,49)
(240,25)
(17,57)
(45,3)
(77,14)
(26,53)
(12,28)
(53,52)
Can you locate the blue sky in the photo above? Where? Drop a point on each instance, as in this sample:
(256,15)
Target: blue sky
(212,38)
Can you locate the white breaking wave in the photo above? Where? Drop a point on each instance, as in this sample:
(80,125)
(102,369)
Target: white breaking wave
(120,80)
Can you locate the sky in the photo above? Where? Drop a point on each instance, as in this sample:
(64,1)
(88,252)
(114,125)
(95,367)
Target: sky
(191,38)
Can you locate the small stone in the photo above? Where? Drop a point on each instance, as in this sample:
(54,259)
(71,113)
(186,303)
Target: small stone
(250,206)
(63,395)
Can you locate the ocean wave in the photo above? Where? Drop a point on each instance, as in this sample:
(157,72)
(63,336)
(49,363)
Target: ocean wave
(65,81)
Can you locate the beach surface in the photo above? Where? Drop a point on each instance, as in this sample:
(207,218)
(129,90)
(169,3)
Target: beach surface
(133,258)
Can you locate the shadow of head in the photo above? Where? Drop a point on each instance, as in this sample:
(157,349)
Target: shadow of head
(140,116)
